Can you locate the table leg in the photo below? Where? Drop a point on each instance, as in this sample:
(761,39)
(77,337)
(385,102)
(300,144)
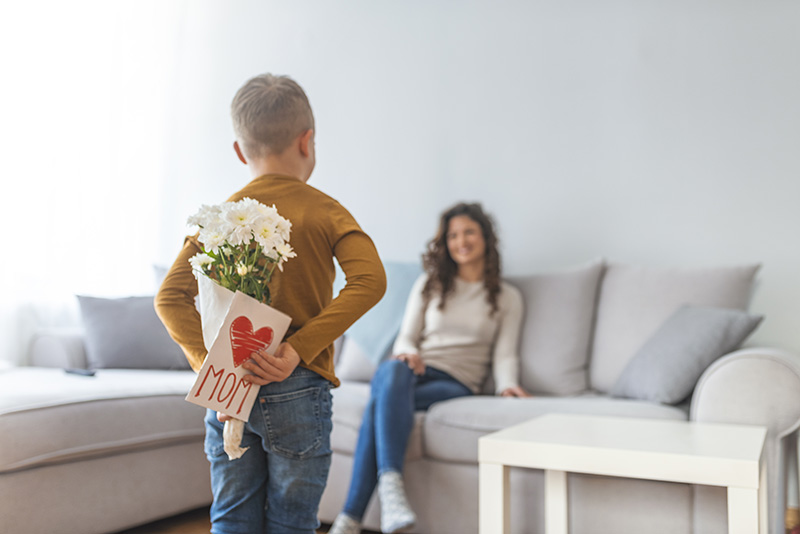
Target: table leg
(556,516)
(493,511)
(763,502)
(743,507)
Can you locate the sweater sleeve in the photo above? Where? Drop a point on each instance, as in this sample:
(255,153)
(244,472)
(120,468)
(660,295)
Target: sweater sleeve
(365,285)
(175,306)
(505,356)
(410,335)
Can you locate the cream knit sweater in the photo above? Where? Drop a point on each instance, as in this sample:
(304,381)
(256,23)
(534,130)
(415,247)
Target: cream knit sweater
(463,340)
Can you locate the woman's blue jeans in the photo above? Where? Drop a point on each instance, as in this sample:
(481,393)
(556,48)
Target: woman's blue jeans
(276,486)
(388,419)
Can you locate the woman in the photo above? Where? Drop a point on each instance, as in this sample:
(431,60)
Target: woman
(460,320)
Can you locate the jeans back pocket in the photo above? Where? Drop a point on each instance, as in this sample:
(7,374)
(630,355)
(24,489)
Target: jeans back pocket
(294,421)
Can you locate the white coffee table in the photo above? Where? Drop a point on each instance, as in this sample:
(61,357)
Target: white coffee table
(673,451)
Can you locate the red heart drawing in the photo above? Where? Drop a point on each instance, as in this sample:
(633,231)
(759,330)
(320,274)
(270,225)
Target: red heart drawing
(245,342)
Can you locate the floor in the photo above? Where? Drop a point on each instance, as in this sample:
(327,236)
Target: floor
(194,522)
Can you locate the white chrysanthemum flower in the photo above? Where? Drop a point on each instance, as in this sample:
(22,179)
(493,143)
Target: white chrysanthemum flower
(264,233)
(206,216)
(272,254)
(240,216)
(269,212)
(242,269)
(240,236)
(252,204)
(286,252)
(284,228)
(199,260)
(212,239)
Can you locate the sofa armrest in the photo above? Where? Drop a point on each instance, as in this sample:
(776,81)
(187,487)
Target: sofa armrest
(58,347)
(757,386)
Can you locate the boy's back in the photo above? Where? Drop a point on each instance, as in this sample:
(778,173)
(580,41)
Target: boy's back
(321,229)
(277,483)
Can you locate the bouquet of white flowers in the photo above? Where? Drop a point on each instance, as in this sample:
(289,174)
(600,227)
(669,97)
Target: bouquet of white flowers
(243,243)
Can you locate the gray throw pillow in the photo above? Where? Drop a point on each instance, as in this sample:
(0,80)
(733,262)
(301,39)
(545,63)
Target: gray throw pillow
(126,333)
(669,364)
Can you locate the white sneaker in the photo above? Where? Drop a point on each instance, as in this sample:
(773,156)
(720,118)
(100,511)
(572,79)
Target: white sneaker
(396,513)
(344,524)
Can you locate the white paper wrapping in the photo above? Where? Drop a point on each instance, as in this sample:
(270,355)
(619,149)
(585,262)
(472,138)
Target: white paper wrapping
(232,434)
(234,326)
(214,303)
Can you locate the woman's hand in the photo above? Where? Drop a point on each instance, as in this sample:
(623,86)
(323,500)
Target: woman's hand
(413,361)
(515,391)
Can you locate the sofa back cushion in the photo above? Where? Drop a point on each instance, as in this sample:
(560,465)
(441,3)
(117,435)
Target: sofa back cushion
(373,334)
(635,301)
(557,329)
(126,333)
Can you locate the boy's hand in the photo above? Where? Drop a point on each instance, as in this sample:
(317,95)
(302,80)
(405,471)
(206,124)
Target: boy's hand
(267,368)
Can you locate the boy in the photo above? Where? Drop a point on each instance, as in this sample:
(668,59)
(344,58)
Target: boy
(277,484)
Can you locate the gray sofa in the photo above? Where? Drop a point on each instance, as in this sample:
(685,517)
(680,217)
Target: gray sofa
(122,448)
(582,328)
(95,454)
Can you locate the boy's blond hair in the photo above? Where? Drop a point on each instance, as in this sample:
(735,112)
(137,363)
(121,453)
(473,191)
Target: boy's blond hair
(269,112)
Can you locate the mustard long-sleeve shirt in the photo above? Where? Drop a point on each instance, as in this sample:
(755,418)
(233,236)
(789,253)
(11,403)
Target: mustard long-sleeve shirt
(321,230)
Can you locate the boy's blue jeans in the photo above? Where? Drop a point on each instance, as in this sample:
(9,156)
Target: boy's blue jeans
(388,419)
(277,484)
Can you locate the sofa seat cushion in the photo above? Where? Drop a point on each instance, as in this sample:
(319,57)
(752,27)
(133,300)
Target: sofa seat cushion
(349,401)
(48,416)
(452,428)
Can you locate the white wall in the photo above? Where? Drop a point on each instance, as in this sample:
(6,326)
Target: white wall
(659,132)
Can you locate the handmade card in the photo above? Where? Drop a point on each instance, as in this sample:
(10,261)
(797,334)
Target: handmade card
(247,326)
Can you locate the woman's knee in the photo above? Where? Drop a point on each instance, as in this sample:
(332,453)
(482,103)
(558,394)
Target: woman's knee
(392,372)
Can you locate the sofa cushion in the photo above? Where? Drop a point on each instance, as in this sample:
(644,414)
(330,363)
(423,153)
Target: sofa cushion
(48,416)
(452,428)
(375,331)
(349,401)
(352,363)
(63,347)
(126,333)
(557,329)
(668,365)
(635,301)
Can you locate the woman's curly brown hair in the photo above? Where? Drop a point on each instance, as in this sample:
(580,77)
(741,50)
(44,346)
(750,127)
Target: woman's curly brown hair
(442,269)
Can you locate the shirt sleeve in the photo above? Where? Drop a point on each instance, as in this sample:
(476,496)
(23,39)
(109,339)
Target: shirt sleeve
(410,335)
(175,305)
(505,356)
(365,285)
